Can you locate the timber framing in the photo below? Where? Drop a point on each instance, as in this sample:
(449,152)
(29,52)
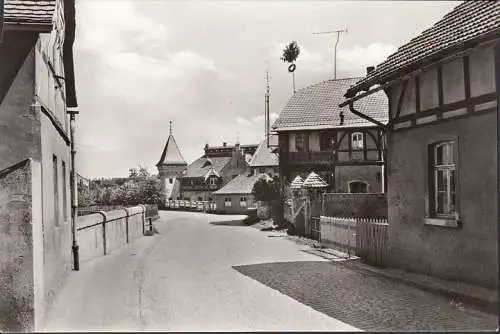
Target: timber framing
(467,104)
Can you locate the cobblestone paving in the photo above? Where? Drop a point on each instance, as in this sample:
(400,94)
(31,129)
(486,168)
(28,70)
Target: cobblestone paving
(366,301)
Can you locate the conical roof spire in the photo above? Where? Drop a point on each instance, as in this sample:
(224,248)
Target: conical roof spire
(171,154)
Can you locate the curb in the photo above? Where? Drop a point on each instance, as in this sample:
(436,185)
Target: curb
(486,305)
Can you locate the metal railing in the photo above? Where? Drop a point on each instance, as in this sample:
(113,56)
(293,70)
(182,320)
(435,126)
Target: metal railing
(203,206)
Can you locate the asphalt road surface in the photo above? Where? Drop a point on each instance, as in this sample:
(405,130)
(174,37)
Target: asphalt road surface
(186,279)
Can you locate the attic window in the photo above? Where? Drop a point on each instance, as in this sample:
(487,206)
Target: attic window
(207,163)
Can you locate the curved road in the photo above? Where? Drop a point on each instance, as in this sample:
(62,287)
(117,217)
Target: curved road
(183,280)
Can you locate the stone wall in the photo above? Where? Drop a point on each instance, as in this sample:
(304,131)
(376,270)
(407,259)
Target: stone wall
(102,233)
(20,246)
(355,205)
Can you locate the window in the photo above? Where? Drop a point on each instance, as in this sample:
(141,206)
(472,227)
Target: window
(56,190)
(358,187)
(276,170)
(212,181)
(227,202)
(170,180)
(262,170)
(199,198)
(357,141)
(326,141)
(65,192)
(300,142)
(443,179)
(243,202)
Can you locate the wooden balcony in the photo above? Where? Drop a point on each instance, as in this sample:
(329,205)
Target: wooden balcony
(322,157)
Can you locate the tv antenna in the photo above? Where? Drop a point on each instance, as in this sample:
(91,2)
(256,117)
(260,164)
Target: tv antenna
(338,32)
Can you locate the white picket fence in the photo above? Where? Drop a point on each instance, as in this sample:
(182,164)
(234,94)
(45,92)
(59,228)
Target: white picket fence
(364,237)
(204,206)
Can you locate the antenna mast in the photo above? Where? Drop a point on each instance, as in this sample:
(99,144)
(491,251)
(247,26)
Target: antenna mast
(338,32)
(266,116)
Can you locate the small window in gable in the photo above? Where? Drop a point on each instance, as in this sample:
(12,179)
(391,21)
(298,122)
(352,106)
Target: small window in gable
(357,141)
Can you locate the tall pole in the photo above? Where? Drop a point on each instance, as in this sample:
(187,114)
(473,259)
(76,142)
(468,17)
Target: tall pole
(338,32)
(268,120)
(74,192)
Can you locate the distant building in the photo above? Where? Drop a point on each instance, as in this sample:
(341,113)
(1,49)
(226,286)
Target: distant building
(315,134)
(37,87)
(265,160)
(82,181)
(236,196)
(170,167)
(213,170)
(442,145)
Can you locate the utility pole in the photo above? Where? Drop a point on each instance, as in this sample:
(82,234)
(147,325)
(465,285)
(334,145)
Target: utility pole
(266,108)
(338,32)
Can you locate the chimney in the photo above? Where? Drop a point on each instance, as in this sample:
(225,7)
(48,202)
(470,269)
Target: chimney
(224,144)
(369,69)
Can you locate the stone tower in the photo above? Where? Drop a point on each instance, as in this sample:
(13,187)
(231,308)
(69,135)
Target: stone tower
(170,167)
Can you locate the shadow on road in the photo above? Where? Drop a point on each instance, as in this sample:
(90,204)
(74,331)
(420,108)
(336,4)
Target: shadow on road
(234,222)
(364,301)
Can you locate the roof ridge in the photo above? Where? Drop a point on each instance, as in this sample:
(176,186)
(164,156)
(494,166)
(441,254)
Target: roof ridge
(327,80)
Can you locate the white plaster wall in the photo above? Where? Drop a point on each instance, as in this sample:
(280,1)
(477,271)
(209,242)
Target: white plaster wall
(482,70)
(429,91)
(409,106)
(453,81)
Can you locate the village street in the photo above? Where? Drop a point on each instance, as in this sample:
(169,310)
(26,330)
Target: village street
(208,272)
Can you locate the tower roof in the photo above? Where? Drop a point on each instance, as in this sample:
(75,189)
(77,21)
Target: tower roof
(171,154)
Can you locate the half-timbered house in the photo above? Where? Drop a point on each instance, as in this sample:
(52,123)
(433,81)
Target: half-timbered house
(315,134)
(442,144)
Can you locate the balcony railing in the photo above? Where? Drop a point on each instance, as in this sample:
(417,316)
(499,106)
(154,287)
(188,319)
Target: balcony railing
(310,157)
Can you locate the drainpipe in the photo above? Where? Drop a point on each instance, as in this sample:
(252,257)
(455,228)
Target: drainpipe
(74,192)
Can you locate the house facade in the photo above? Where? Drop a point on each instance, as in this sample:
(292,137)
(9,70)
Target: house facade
(213,170)
(170,168)
(236,196)
(442,145)
(36,89)
(315,134)
(265,160)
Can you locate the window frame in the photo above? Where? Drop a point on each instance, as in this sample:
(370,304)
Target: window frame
(64,190)
(445,167)
(301,138)
(55,185)
(360,139)
(243,199)
(226,205)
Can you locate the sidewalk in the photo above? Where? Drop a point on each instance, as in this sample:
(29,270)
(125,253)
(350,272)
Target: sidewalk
(483,298)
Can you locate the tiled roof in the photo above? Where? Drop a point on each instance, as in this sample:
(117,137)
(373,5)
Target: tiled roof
(264,156)
(317,107)
(314,181)
(200,167)
(29,12)
(469,22)
(241,184)
(297,183)
(171,154)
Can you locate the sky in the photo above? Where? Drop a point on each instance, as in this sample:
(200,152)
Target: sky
(202,65)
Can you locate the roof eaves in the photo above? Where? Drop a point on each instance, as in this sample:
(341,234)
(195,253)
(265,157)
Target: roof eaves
(376,77)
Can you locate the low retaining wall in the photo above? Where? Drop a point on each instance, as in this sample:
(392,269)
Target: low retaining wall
(101,233)
(355,205)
